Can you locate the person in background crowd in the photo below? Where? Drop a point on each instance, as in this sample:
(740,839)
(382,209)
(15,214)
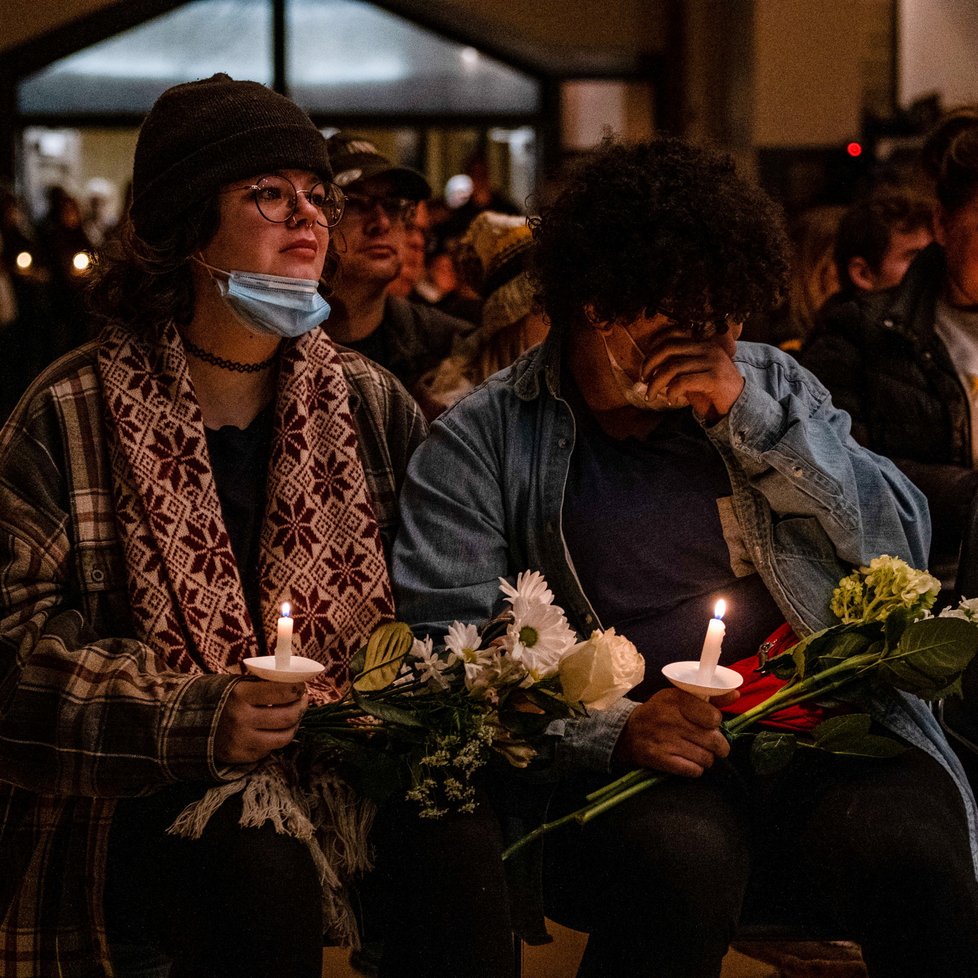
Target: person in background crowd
(480,195)
(101,210)
(162,490)
(71,257)
(813,279)
(904,362)
(646,464)
(405,337)
(877,239)
(37,334)
(412,279)
(493,258)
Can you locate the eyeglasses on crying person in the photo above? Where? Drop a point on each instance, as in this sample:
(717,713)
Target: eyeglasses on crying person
(277,199)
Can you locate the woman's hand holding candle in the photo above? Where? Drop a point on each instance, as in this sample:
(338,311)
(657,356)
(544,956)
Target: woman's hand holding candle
(710,655)
(257,718)
(283,638)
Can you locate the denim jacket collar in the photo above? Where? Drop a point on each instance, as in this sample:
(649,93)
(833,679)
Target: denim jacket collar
(538,368)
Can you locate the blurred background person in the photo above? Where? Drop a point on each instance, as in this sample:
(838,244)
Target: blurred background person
(878,237)
(408,338)
(469,194)
(34,332)
(71,255)
(904,362)
(101,213)
(493,258)
(812,279)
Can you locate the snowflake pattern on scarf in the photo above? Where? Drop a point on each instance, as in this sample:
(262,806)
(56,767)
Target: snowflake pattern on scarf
(320,545)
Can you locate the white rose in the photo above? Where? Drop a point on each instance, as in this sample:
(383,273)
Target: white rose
(601,670)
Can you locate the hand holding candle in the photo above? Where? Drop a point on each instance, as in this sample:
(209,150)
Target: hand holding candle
(283,638)
(710,655)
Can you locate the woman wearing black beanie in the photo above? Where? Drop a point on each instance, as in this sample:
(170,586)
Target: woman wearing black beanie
(163,491)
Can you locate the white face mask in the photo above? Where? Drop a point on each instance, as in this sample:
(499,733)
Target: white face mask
(634,391)
(273,305)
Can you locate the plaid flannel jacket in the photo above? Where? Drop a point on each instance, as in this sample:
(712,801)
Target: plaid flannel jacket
(87,714)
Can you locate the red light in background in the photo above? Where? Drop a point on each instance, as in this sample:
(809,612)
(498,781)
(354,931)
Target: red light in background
(854,149)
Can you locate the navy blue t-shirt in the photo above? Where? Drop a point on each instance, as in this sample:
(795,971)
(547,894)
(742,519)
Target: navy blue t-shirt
(641,519)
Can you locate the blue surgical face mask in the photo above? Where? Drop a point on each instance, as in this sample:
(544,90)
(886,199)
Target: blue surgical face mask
(272,304)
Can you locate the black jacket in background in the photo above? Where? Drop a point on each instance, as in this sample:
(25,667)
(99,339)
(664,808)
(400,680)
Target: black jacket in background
(883,362)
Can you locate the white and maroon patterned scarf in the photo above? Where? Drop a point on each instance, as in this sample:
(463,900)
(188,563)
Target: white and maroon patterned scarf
(320,546)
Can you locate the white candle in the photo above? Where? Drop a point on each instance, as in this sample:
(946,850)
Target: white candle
(283,638)
(710,655)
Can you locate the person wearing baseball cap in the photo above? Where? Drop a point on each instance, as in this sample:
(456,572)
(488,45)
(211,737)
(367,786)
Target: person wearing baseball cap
(407,338)
(162,493)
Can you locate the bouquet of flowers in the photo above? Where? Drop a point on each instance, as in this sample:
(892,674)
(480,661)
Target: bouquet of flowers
(886,639)
(423,719)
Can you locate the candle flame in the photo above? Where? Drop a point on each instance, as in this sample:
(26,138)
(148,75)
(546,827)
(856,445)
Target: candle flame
(286,609)
(720,609)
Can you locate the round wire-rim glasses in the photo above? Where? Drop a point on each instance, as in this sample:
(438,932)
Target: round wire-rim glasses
(277,199)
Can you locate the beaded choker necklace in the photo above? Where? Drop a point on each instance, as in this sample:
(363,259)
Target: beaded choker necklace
(240,368)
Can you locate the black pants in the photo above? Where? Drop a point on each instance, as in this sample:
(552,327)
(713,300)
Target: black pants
(247,903)
(238,902)
(877,848)
(441,895)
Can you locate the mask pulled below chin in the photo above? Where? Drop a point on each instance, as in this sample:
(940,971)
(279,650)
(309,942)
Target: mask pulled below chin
(272,305)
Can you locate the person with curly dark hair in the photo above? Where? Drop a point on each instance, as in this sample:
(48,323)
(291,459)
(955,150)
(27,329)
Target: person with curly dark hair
(647,464)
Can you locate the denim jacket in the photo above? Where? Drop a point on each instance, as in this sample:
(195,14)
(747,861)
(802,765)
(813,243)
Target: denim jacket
(484,493)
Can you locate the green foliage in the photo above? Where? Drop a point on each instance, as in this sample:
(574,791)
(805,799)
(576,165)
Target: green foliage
(382,656)
(771,751)
(930,657)
(850,735)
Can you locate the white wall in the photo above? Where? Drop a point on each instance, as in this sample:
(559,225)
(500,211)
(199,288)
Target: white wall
(593,109)
(937,48)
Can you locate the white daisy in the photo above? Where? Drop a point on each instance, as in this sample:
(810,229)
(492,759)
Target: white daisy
(531,586)
(538,637)
(462,642)
(430,667)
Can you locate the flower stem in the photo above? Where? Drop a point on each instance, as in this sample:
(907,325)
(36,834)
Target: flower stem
(646,780)
(635,782)
(539,831)
(805,689)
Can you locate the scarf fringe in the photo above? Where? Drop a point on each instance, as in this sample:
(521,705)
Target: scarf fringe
(324,813)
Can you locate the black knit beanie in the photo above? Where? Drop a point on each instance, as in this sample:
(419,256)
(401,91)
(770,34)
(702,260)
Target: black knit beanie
(203,134)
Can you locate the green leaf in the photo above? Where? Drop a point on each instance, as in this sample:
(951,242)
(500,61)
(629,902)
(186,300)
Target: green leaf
(811,648)
(846,646)
(355,665)
(850,736)
(931,656)
(526,726)
(783,666)
(383,654)
(895,625)
(847,725)
(771,751)
(388,712)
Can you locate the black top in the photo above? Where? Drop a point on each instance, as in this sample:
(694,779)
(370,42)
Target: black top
(239,459)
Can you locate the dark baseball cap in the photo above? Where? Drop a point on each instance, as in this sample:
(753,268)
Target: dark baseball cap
(354,159)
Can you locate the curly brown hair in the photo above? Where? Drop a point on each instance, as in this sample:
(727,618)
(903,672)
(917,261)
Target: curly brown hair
(145,286)
(660,226)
